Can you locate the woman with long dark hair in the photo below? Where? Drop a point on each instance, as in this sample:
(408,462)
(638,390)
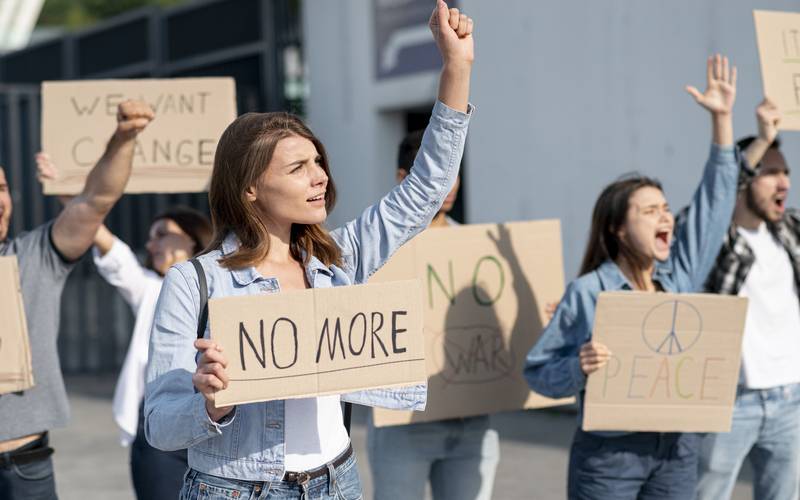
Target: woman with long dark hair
(270,193)
(633,245)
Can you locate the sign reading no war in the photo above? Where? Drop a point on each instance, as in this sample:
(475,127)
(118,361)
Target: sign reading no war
(175,153)
(319,341)
(485,288)
(674,365)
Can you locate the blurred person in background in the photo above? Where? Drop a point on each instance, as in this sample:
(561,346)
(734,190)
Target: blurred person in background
(174,237)
(46,255)
(760,260)
(631,247)
(446,453)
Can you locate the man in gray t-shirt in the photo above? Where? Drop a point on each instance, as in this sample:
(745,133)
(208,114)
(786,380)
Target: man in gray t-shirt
(46,255)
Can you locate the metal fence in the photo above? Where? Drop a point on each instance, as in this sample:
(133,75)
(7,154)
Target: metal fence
(258,42)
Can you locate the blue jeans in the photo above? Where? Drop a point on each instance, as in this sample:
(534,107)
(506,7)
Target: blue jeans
(766,428)
(638,466)
(28,481)
(458,456)
(343,484)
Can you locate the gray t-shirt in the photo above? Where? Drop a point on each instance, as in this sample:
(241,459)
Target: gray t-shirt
(43,272)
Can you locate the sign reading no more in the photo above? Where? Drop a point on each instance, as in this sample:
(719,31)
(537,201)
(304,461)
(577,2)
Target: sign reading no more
(319,341)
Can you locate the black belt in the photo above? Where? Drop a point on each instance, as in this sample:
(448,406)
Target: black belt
(34,451)
(306,476)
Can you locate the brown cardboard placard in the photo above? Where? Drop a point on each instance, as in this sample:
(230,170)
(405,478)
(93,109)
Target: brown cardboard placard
(674,366)
(16,373)
(175,153)
(320,341)
(485,288)
(778,37)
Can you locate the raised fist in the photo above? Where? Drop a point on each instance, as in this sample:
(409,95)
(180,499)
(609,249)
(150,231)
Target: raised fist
(452,31)
(133,117)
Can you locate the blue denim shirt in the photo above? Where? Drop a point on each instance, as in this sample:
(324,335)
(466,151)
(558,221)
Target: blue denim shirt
(552,367)
(249,443)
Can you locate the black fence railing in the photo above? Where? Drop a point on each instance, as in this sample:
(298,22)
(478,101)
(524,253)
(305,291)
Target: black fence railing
(249,40)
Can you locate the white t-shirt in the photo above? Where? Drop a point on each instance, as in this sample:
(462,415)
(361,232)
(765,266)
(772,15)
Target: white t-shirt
(306,449)
(771,345)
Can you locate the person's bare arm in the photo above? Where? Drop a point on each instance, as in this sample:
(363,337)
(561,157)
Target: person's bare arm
(768,117)
(75,227)
(103,240)
(46,170)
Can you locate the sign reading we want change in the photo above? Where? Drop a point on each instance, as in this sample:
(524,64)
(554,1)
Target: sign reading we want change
(485,289)
(16,373)
(674,365)
(175,153)
(319,341)
(778,35)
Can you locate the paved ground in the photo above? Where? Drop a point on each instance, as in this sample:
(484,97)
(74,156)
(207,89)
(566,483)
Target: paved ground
(90,464)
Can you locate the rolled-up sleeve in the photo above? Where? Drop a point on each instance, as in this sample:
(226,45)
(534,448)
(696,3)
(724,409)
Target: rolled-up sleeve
(404,398)
(368,241)
(552,367)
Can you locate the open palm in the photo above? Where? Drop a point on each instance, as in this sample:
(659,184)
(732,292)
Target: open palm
(720,93)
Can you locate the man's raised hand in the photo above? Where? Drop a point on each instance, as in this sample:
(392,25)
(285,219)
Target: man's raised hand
(133,117)
(769,117)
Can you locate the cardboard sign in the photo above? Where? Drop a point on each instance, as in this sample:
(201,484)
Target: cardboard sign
(674,366)
(175,153)
(319,341)
(485,288)
(778,35)
(15,350)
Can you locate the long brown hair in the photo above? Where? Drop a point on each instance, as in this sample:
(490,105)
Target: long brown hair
(609,214)
(243,153)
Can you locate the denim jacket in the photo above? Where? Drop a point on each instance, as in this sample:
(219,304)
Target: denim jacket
(249,443)
(552,367)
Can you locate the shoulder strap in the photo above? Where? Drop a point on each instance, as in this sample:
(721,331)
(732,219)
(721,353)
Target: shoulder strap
(348,416)
(201,277)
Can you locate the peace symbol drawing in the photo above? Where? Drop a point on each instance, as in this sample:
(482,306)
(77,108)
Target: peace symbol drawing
(672,327)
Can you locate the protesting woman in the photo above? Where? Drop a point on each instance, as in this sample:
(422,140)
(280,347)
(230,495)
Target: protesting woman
(270,193)
(631,247)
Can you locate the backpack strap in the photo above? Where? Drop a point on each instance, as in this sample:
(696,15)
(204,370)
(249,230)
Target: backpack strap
(348,416)
(201,278)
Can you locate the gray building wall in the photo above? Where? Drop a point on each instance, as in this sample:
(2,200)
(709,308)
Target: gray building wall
(569,94)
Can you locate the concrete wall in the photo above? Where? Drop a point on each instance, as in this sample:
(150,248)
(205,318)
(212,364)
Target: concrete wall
(570,95)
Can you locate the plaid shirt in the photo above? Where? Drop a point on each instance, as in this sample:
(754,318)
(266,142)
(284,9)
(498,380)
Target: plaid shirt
(736,258)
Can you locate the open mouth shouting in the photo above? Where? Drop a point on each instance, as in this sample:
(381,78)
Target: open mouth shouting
(779,202)
(663,238)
